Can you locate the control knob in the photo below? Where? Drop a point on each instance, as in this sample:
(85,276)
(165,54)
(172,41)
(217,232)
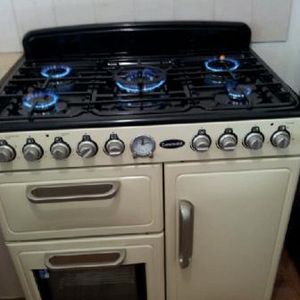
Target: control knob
(201,142)
(7,152)
(114,146)
(254,140)
(228,140)
(60,150)
(32,151)
(87,148)
(281,138)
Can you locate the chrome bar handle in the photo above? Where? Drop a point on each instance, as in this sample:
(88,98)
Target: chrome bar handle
(85,260)
(40,194)
(186,233)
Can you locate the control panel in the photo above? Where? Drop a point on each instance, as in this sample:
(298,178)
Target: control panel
(131,145)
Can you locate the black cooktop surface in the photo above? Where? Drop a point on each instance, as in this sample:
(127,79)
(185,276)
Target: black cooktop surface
(115,89)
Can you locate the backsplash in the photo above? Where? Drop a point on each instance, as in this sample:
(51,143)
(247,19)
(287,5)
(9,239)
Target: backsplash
(269,19)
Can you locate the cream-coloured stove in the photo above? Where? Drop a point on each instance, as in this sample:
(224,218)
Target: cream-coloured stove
(130,172)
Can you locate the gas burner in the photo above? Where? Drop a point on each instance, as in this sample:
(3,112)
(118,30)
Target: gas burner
(140,105)
(141,79)
(238,92)
(40,101)
(56,71)
(215,79)
(60,86)
(222,64)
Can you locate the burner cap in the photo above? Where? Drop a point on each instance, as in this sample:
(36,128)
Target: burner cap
(238,92)
(222,64)
(142,79)
(140,104)
(56,71)
(40,101)
(215,79)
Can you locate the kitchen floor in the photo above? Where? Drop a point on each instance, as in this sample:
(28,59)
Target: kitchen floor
(288,281)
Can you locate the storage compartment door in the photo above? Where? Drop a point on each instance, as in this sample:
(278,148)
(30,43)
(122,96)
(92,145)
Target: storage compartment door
(225,226)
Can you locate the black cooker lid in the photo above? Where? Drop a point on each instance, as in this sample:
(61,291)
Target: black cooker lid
(151,38)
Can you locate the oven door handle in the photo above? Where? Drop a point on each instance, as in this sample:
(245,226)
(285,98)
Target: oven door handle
(73,261)
(186,233)
(40,194)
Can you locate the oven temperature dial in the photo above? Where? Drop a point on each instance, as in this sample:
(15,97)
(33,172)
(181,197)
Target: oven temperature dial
(7,152)
(143,146)
(228,140)
(87,148)
(281,138)
(201,142)
(60,150)
(32,151)
(254,140)
(114,146)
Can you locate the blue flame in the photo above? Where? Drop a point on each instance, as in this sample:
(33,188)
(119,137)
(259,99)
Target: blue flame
(130,83)
(146,88)
(238,92)
(235,64)
(56,71)
(40,101)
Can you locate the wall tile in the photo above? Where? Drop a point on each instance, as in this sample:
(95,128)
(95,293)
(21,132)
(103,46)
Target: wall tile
(33,14)
(9,39)
(194,9)
(71,12)
(271,19)
(108,11)
(153,10)
(233,10)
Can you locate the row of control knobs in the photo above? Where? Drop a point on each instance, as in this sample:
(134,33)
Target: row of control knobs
(60,150)
(229,140)
(87,148)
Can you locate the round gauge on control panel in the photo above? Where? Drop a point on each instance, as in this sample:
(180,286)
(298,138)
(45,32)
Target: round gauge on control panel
(143,146)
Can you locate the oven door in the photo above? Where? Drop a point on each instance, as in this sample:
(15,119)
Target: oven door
(79,203)
(107,269)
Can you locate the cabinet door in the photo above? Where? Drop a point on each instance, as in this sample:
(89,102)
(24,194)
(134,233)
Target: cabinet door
(241,210)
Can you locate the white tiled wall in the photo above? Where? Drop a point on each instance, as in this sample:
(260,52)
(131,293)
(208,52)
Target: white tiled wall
(269,19)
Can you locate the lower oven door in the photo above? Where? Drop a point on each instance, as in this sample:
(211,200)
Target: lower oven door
(88,269)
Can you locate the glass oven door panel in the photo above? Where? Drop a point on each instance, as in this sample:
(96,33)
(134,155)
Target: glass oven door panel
(106,283)
(100,268)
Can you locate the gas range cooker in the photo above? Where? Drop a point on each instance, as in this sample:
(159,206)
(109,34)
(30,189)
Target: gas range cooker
(135,84)
(146,148)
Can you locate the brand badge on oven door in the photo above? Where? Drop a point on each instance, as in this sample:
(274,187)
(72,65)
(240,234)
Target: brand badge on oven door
(172,144)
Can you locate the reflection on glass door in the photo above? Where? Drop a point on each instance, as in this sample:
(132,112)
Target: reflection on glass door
(105,283)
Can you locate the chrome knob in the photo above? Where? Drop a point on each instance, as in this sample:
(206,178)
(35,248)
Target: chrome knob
(87,148)
(114,146)
(228,140)
(281,138)
(254,140)
(60,150)
(7,152)
(32,151)
(201,142)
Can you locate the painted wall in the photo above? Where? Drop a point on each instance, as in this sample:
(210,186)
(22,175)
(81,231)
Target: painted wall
(284,58)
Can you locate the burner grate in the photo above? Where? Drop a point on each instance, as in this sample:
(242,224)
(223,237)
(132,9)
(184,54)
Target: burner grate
(88,88)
